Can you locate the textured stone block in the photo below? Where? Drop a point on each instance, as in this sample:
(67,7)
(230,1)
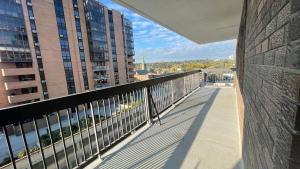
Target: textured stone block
(293,56)
(275,7)
(269,58)
(271,27)
(265,45)
(280,54)
(284,15)
(289,110)
(276,75)
(295,4)
(294,32)
(291,85)
(277,38)
(258,49)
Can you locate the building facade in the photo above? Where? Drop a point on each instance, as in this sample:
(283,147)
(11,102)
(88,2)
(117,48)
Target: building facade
(52,48)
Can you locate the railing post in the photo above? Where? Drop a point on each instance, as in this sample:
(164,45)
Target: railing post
(148,105)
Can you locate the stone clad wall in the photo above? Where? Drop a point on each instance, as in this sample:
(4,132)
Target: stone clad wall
(268,67)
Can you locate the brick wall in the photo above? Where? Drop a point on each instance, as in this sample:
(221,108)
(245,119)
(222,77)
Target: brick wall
(268,67)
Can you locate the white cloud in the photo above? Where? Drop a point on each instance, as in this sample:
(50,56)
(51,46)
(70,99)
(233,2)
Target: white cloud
(187,50)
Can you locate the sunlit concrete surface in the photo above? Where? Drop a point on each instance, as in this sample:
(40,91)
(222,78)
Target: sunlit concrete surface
(201,132)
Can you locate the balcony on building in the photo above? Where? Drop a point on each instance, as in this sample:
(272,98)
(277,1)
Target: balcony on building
(131,72)
(101,77)
(130,59)
(21,98)
(130,52)
(102,85)
(20,84)
(130,65)
(100,68)
(17,71)
(12,55)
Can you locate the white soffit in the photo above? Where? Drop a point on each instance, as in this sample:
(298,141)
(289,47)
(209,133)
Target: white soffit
(201,21)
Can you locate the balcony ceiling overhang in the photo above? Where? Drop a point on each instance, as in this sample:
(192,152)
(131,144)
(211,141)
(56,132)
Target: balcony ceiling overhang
(201,21)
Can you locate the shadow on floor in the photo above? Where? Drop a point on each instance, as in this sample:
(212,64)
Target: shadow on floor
(166,146)
(181,151)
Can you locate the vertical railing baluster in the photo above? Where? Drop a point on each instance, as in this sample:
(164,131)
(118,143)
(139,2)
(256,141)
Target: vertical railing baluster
(101,126)
(120,111)
(95,129)
(111,120)
(168,95)
(184,86)
(106,120)
(124,108)
(135,108)
(63,139)
(132,109)
(139,105)
(158,97)
(116,113)
(51,141)
(170,101)
(37,132)
(25,145)
(88,129)
(163,95)
(131,101)
(80,133)
(128,111)
(143,104)
(172,92)
(11,154)
(72,136)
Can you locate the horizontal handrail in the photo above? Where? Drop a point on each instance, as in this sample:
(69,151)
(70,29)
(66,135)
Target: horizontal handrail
(37,109)
(87,123)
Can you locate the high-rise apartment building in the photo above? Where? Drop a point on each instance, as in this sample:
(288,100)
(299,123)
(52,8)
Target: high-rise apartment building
(52,48)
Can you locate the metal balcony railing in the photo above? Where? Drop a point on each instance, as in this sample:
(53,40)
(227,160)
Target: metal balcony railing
(101,77)
(100,68)
(71,131)
(217,77)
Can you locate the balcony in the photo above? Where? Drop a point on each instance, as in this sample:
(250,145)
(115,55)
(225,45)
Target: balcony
(101,77)
(116,121)
(130,59)
(15,55)
(100,68)
(23,97)
(102,85)
(17,71)
(130,66)
(130,52)
(20,84)
(131,72)
(130,79)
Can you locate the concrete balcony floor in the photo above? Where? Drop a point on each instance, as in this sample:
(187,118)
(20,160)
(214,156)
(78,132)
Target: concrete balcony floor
(201,132)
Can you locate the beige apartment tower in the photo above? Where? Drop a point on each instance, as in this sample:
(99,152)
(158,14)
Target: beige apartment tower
(52,48)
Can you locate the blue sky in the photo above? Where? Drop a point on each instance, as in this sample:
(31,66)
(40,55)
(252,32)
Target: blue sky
(158,44)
